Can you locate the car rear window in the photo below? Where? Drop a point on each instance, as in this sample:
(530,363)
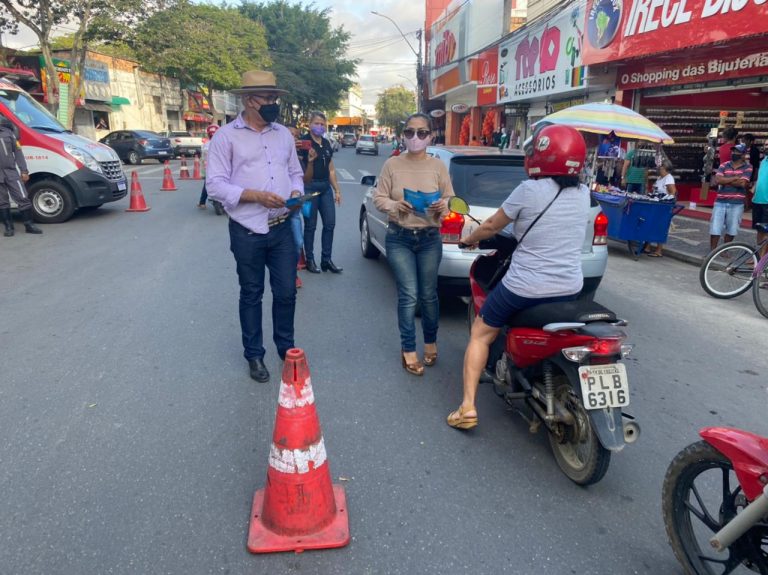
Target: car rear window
(486,181)
(366,139)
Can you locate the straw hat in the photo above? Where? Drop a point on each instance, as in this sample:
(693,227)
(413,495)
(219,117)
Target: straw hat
(258,81)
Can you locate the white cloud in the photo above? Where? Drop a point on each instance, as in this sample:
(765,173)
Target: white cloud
(384,56)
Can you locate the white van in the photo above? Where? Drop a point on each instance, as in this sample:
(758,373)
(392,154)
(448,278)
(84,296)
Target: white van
(66,171)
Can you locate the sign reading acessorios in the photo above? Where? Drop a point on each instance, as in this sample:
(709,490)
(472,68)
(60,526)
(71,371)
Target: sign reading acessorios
(621,29)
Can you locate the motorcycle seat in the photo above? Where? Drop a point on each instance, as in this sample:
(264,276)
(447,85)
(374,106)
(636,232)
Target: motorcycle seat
(579,310)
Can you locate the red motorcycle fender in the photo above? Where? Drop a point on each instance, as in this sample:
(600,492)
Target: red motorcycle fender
(748,453)
(607,424)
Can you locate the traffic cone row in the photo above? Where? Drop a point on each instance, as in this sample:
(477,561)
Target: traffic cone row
(168,183)
(196,170)
(299,508)
(137,195)
(183,171)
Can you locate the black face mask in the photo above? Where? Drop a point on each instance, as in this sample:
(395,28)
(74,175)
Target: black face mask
(736,157)
(269,112)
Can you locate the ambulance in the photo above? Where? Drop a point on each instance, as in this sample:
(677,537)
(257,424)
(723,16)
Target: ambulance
(67,172)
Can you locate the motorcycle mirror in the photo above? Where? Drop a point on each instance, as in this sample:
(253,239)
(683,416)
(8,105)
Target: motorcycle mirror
(458,206)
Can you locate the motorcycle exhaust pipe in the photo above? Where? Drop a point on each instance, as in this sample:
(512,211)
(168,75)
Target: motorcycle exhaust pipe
(739,525)
(631,432)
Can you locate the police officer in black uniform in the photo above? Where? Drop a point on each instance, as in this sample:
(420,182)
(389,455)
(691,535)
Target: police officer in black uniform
(11,184)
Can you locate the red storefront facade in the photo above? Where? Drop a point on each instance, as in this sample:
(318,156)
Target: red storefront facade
(695,67)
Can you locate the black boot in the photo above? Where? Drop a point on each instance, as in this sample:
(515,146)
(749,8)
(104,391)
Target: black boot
(312,266)
(329,266)
(5,213)
(29,224)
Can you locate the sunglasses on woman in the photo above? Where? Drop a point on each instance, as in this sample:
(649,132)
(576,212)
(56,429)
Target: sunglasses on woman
(422,134)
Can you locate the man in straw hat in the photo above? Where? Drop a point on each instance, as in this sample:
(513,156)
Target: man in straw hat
(252,170)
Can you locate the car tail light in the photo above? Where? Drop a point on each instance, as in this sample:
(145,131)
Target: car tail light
(451,228)
(601,230)
(143,142)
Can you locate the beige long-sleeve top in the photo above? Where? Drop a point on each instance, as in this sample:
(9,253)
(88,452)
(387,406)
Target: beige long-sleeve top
(399,172)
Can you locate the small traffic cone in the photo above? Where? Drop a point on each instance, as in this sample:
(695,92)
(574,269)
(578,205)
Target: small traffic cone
(168,184)
(299,508)
(196,169)
(137,196)
(183,171)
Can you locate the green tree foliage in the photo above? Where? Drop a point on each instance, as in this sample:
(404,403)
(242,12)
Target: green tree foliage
(394,105)
(118,49)
(203,45)
(308,55)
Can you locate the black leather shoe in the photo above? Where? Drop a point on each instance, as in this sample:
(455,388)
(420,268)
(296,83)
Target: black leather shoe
(259,371)
(329,266)
(312,266)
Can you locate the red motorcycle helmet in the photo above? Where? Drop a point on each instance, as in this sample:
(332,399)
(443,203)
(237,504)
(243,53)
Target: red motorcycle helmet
(554,151)
(211,130)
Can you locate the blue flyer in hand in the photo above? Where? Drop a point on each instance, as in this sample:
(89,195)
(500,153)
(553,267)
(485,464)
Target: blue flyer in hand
(420,200)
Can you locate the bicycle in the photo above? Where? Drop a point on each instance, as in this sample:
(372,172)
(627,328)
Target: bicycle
(730,269)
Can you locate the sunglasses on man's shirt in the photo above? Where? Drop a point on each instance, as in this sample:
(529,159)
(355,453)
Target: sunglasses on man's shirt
(422,134)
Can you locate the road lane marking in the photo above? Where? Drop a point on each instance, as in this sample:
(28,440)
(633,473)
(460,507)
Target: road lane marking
(344,174)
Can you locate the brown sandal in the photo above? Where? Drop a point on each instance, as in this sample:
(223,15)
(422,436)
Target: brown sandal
(458,420)
(430,359)
(416,368)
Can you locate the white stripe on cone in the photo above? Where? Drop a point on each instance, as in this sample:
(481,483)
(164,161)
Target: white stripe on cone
(289,398)
(297,460)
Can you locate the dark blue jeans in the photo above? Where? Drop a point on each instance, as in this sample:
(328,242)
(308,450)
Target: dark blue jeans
(275,250)
(414,256)
(325,205)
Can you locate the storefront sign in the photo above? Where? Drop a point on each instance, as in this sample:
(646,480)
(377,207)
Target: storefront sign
(621,29)
(460,108)
(96,81)
(487,77)
(447,46)
(543,61)
(690,71)
(438,113)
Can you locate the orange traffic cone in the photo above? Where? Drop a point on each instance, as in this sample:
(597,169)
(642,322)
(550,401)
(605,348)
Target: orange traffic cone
(137,196)
(299,508)
(196,169)
(183,171)
(168,184)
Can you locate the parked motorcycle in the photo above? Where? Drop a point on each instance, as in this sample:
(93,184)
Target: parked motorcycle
(562,360)
(715,503)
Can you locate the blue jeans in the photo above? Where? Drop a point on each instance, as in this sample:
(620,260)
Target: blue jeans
(297,229)
(325,205)
(253,253)
(414,256)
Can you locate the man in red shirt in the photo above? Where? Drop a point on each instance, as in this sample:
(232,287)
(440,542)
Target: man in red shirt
(724,151)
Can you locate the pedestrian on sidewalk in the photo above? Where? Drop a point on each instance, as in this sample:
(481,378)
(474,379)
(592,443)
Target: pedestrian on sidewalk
(252,170)
(634,172)
(13,175)
(320,176)
(664,184)
(760,200)
(733,180)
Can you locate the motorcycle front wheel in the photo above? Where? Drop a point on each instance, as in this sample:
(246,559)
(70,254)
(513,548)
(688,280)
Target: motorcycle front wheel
(576,448)
(701,493)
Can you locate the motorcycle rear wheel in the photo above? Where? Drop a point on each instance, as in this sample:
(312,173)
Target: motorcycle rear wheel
(576,448)
(700,475)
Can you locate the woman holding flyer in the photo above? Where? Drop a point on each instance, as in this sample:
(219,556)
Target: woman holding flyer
(412,190)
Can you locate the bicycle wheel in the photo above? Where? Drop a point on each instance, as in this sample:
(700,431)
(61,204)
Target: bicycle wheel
(760,287)
(727,270)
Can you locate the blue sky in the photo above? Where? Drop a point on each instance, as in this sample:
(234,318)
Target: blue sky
(385,58)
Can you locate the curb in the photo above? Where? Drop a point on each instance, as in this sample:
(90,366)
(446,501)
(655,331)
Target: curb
(668,252)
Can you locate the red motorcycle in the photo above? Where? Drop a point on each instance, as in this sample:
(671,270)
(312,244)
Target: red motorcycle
(715,503)
(562,360)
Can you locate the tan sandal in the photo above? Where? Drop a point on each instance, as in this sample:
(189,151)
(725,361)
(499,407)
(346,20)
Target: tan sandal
(415,368)
(459,420)
(430,359)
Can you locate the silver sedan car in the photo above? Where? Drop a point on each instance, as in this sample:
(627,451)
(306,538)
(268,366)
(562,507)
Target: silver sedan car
(484,177)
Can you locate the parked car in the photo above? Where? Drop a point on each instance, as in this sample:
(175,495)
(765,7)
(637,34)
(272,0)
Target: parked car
(333,141)
(348,140)
(366,144)
(484,177)
(184,143)
(133,146)
(67,172)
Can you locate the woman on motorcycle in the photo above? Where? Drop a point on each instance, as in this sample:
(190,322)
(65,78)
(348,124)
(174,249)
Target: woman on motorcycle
(546,265)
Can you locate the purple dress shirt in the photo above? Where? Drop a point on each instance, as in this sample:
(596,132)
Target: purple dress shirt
(241,158)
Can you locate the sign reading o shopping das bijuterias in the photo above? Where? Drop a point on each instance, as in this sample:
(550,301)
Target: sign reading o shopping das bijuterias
(622,29)
(544,59)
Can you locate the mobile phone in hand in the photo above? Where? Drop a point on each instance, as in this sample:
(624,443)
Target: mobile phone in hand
(305,145)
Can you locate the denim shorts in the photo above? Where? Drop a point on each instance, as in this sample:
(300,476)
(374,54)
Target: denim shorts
(725,218)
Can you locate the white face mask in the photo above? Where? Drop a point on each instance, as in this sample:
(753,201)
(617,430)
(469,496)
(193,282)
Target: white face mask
(414,144)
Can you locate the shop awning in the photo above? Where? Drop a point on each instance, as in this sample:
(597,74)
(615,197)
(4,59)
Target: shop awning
(97,107)
(120,101)
(346,121)
(197,117)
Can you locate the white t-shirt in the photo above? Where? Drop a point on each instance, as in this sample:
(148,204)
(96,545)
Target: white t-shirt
(548,261)
(660,185)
